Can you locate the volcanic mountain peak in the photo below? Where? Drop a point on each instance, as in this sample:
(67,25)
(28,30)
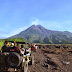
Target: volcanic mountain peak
(41,27)
(33,27)
(35,33)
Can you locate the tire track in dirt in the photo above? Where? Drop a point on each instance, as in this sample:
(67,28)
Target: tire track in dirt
(39,61)
(49,61)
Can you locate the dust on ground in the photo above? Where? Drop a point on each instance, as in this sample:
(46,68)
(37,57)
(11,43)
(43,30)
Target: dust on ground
(52,58)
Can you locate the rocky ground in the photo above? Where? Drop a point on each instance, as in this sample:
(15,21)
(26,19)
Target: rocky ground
(52,58)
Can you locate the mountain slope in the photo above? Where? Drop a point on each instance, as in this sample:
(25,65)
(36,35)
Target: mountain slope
(39,33)
(58,39)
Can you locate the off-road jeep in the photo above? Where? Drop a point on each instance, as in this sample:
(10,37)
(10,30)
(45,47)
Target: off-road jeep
(13,61)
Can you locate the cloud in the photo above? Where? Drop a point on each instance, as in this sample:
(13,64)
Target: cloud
(13,32)
(35,22)
(17,31)
(51,25)
(54,25)
(47,24)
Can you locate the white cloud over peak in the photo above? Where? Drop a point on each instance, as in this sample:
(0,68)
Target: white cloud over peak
(17,31)
(52,25)
(35,22)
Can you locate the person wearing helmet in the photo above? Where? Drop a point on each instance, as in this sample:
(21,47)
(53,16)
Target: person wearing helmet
(12,44)
(13,48)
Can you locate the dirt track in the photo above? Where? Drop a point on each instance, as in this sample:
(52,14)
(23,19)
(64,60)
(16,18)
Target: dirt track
(52,59)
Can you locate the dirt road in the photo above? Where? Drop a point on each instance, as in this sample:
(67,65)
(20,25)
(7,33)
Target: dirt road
(51,59)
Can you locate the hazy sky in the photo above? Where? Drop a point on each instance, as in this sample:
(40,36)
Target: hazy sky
(17,15)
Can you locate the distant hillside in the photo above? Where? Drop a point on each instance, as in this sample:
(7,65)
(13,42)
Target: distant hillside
(16,39)
(39,34)
(58,39)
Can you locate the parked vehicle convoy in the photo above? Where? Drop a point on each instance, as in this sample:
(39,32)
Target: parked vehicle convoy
(34,48)
(16,60)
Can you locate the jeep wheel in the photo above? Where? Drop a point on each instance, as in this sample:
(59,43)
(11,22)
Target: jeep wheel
(13,59)
(32,60)
(25,68)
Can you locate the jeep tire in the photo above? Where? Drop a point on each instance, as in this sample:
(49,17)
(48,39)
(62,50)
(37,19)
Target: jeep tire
(13,59)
